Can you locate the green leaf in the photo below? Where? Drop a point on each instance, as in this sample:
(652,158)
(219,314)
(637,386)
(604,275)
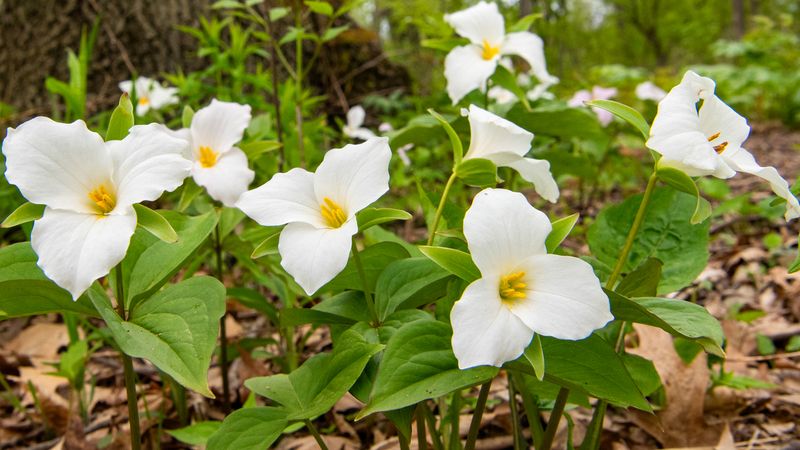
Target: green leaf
(419,364)
(278,13)
(318,7)
(524,24)
(257,148)
(155,223)
(561,229)
(454,261)
(665,234)
(26,291)
(331,33)
(679,180)
(196,433)
(677,317)
(625,113)
(455,141)
(175,329)
(269,246)
(419,130)
(375,258)
(369,217)
(535,355)
(409,283)
(506,79)
(445,44)
(642,282)
(562,121)
(477,172)
(187,116)
(26,212)
(189,192)
(643,373)
(121,119)
(313,388)
(249,429)
(254,300)
(765,345)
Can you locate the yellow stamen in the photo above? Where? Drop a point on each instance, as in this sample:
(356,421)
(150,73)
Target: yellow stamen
(489,50)
(207,157)
(511,287)
(714,136)
(720,147)
(104,199)
(143,101)
(333,214)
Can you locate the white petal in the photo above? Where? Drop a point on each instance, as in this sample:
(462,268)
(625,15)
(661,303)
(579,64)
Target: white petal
(490,133)
(649,91)
(531,48)
(479,23)
(126,86)
(579,98)
(742,161)
(228,179)
(163,96)
(603,93)
(147,162)
(537,171)
(313,256)
(362,133)
(287,197)
(75,249)
(717,117)
(219,126)
(56,164)
(503,229)
(564,299)
(355,175)
(484,331)
(355,117)
(466,70)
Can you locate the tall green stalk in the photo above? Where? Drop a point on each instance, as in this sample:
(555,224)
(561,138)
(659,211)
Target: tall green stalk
(475,425)
(223,335)
(367,294)
(127,365)
(438,217)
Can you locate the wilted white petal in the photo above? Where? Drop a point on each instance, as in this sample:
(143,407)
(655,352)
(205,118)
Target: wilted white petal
(531,48)
(219,126)
(537,171)
(313,256)
(287,197)
(76,249)
(466,70)
(742,161)
(484,331)
(490,133)
(228,179)
(479,23)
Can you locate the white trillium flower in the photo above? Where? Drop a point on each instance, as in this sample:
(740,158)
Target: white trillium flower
(320,208)
(353,128)
(580,98)
(522,289)
(151,94)
(708,141)
(501,95)
(468,67)
(88,188)
(649,91)
(506,144)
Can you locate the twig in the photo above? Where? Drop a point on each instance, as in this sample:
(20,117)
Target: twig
(763,358)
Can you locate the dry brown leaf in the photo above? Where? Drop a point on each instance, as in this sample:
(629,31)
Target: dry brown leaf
(309,443)
(40,341)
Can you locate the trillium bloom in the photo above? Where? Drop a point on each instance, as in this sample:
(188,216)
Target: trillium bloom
(522,289)
(597,93)
(88,188)
(320,208)
(151,94)
(353,128)
(468,67)
(501,95)
(505,144)
(219,166)
(649,91)
(708,141)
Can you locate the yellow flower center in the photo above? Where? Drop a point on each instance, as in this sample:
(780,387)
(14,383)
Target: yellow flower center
(207,157)
(144,101)
(720,147)
(512,287)
(333,214)
(103,199)
(489,50)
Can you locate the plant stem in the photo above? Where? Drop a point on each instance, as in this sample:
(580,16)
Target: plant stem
(223,337)
(515,419)
(316,435)
(422,441)
(431,421)
(440,208)
(555,417)
(534,418)
(127,364)
(276,99)
(472,436)
(298,95)
(367,294)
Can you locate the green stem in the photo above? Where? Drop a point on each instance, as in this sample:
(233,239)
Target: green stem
(298,107)
(367,294)
(422,441)
(130,375)
(515,419)
(440,208)
(431,421)
(555,417)
(534,418)
(454,412)
(179,397)
(316,435)
(223,337)
(475,425)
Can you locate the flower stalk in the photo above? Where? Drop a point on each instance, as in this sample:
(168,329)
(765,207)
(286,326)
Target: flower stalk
(362,275)
(223,337)
(127,365)
(474,426)
(438,217)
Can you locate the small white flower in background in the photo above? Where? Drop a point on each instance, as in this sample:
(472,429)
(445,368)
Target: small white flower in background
(402,152)
(219,166)
(522,289)
(541,90)
(597,93)
(468,67)
(506,144)
(320,208)
(385,127)
(88,188)
(353,128)
(501,95)
(151,94)
(708,141)
(649,91)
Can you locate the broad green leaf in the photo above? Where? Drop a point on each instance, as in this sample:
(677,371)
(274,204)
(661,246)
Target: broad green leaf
(665,234)
(561,229)
(189,192)
(454,261)
(477,172)
(249,429)
(625,113)
(445,44)
(278,13)
(121,119)
(27,212)
(26,291)
(455,141)
(269,246)
(643,373)
(319,7)
(524,24)
(535,355)
(255,300)
(369,217)
(375,258)
(175,329)
(196,433)
(559,121)
(321,381)
(227,4)
(409,283)
(679,180)
(795,265)
(187,116)
(677,317)
(419,364)
(290,317)
(331,33)
(420,130)
(155,223)
(348,305)
(257,148)
(508,80)
(642,282)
